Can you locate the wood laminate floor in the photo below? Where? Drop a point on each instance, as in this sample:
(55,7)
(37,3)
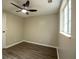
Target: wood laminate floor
(29,51)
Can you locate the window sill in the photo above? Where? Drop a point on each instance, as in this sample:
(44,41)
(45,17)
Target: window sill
(67,35)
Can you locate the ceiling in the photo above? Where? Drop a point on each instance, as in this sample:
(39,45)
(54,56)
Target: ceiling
(43,7)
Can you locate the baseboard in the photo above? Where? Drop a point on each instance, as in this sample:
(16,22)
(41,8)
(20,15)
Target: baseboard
(41,44)
(57,53)
(14,44)
(32,43)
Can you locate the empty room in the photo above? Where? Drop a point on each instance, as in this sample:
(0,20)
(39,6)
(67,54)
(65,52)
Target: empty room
(39,29)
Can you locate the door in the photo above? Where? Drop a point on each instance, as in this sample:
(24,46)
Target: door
(3,30)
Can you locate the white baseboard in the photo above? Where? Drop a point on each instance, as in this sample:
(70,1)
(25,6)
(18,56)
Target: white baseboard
(41,44)
(57,53)
(14,44)
(32,43)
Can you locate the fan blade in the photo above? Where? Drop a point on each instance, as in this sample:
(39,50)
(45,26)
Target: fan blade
(32,10)
(16,6)
(27,3)
(18,11)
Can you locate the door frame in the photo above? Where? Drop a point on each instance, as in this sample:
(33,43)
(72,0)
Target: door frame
(3,30)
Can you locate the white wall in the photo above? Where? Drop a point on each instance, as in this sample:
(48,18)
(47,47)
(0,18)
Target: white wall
(67,47)
(42,30)
(39,29)
(14,25)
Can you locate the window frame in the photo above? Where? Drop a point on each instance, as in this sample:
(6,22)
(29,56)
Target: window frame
(62,21)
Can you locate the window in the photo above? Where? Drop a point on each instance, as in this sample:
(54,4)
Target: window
(66,18)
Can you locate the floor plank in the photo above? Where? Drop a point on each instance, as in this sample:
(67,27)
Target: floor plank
(29,51)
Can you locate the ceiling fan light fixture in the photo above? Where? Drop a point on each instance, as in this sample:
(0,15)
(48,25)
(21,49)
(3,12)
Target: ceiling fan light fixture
(23,11)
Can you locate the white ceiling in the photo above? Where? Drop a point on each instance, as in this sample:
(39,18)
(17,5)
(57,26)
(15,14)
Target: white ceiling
(43,7)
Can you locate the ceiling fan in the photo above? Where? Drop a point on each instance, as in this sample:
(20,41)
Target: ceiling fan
(25,8)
